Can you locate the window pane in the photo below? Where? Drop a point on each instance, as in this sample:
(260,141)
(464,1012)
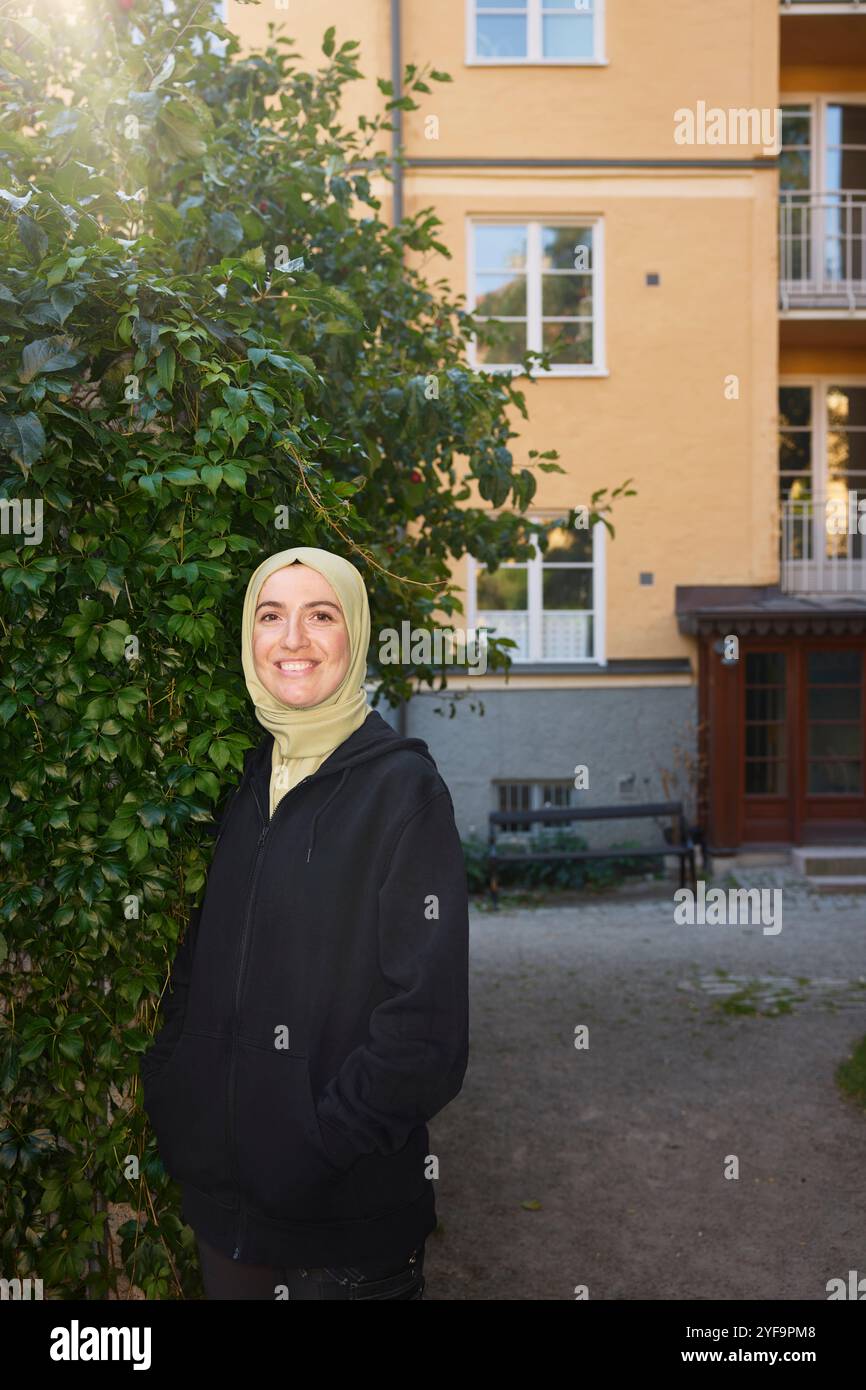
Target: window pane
(795,405)
(501,36)
(504,589)
(501,606)
(500,246)
(508,349)
(765,704)
(567,36)
(835,741)
(846,125)
(500,295)
(796,125)
(511,624)
(846,405)
(795,162)
(843,702)
(567,637)
(846,453)
(765,740)
(843,779)
(555,794)
(766,779)
(568,546)
(566,248)
(846,147)
(765,668)
(795,451)
(794,173)
(514,796)
(572,342)
(834,668)
(566,296)
(563,588)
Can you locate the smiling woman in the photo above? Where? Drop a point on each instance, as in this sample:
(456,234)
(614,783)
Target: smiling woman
(318,1013)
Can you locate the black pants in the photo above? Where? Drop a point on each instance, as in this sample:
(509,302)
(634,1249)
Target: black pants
(225,1278)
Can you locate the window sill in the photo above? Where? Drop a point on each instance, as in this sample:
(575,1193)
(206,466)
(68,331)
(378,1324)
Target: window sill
(555,375)
(537,63)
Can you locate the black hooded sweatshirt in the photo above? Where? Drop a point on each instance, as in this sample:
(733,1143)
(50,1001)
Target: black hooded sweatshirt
(318,1013)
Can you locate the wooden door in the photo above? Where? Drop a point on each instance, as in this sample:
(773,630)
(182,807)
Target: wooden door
(831,742)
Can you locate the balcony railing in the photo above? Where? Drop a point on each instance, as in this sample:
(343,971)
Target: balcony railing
(822,250)
(822,548)
(822,6)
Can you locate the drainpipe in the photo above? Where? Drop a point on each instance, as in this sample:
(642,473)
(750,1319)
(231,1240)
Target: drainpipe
(397,199)
(397,115)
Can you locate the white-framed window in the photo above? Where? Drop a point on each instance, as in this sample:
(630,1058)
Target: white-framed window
(523,795)
(535,31)
(822,462)
(822,436)
(542,279)
(823,143)
(552,605)
(822,201)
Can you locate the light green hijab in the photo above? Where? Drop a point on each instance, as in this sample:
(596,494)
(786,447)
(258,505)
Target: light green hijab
(304,738)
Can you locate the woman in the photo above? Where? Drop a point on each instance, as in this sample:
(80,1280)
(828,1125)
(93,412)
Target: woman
(318,1013)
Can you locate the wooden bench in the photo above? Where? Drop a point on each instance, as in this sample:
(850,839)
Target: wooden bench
(681,843)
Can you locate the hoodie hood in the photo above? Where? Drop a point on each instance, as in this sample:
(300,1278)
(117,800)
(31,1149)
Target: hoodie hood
(373,739)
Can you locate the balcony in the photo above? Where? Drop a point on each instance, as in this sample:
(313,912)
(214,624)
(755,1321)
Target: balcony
(822,6)
(822,549)
(822,250)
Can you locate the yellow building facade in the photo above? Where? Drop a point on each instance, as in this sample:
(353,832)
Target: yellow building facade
(672,197)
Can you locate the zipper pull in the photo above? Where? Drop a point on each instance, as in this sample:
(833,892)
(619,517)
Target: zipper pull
(237,1252)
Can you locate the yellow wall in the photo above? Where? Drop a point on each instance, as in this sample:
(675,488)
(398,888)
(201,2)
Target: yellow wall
(704,466)
(661,57)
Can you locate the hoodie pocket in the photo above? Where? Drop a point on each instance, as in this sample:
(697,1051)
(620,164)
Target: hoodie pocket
(185,1101)
(283,1170)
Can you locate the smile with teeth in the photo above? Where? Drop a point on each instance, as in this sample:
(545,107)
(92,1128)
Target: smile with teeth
(292,668)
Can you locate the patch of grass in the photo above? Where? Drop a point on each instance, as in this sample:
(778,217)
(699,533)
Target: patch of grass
(751,999)
(851,1075)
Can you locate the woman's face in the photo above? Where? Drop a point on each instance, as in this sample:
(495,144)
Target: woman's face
(301,646)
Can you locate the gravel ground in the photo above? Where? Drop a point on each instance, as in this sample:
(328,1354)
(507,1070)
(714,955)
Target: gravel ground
(624,1145)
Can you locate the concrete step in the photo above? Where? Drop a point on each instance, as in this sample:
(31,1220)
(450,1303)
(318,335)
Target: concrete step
(836,860)
(837,883)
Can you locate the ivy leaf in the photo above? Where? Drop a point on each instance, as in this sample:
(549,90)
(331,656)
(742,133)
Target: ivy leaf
(225,231)
(15,202)
(212,476)
(23,437)
(165,364)
(146,334)
(53,354)
(32,238)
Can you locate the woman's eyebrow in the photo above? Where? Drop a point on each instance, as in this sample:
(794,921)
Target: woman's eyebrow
(314,603)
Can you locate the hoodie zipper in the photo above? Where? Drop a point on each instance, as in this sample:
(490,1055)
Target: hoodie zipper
(238,988)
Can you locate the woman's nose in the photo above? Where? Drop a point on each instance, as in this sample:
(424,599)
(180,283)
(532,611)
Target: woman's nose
(294,635)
